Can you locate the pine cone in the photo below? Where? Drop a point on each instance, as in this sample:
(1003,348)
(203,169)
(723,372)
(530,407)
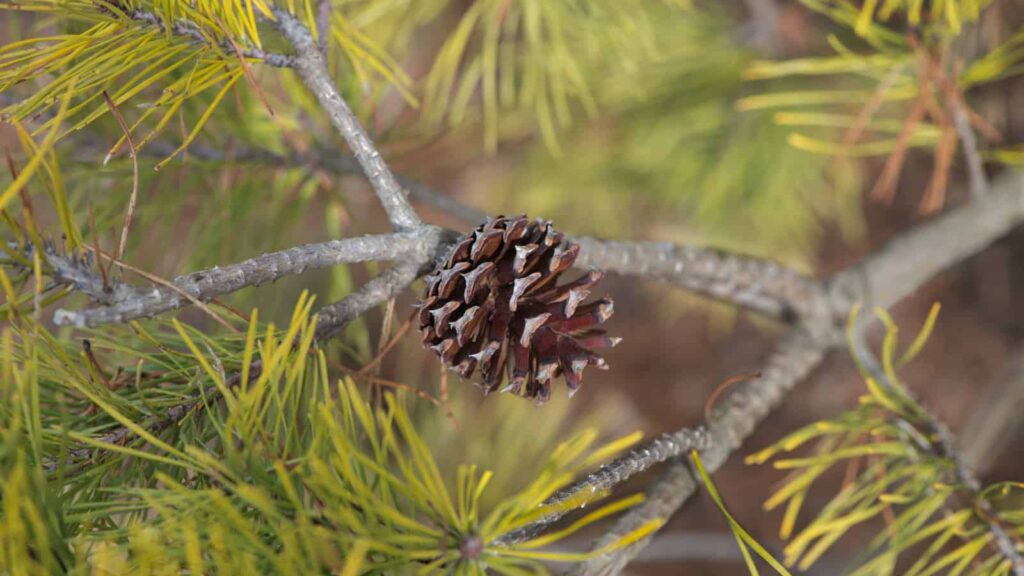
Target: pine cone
(495,306)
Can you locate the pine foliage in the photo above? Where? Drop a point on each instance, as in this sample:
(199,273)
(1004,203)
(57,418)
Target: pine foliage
(272,467)
(900,473)
(217,443)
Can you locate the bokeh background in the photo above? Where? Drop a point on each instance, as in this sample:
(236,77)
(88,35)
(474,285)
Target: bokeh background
(660,121)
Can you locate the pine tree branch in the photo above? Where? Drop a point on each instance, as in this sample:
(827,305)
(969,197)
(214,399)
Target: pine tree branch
(665,495)
(187,29)
(885,277)
(942,445)
(78,271)
(333,318)
(666,447)
(760,285)
(763,286)
(731,423)
(912,258)
(310,65)
(206,285)
(419,260)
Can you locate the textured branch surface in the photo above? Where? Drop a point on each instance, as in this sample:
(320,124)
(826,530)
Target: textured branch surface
(434,245)
(309,62)
(662,449)
(661,500)
(731,423)
(911,259)
(760,285)
(79,272)
(885,277)
(882,279)
(333,318)
(208,284)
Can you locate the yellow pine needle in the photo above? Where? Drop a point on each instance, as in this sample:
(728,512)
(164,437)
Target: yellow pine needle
(37,159)
(743,538)
(590,518)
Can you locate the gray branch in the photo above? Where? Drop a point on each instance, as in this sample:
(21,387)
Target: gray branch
(760,285)
(333,318)
(882,279)
(317,158)
(665,495)
(731,423)
(206,285)
(911,259)
(666,447)
(78,271)
(309,62)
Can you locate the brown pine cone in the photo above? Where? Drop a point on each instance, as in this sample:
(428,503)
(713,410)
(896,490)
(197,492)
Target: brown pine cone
(494,305)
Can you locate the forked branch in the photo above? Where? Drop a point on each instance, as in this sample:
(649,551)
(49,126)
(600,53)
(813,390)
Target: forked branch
(882,279)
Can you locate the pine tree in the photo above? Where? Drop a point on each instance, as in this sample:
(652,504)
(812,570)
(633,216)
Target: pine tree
(153,425)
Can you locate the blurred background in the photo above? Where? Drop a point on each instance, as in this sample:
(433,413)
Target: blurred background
(796,131)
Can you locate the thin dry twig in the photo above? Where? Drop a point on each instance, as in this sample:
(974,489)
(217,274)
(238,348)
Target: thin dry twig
(245,67)
(442,385)
(104,271)
(377,380)
(133,154)
(95,363)
(884,189)
(722,387)
(385,348)
(170,286)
